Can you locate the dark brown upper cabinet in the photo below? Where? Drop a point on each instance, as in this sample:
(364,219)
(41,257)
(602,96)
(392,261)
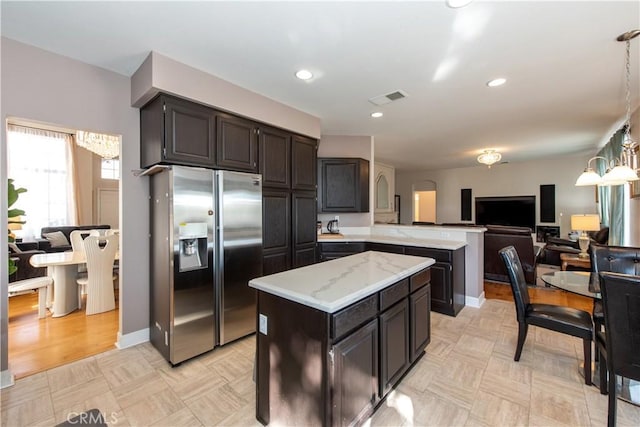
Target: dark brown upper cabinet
(343,185)
(237,143)
(176,131)
(304,162)
(275,159)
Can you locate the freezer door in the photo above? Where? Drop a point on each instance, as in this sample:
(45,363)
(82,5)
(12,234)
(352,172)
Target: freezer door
(194,321)
(240,251)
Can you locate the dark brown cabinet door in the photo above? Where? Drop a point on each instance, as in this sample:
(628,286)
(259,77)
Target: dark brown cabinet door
(275,159)
(441,286)
(304,228)
(304,163)
(276,230)
(447,278)
(343,185)
(394,345)
(420,309)
(355,375)
(236,145)
(189,133)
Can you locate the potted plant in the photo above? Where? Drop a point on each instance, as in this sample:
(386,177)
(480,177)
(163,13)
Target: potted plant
(12,196)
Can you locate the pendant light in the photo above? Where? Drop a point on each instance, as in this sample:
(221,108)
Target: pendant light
(621,170)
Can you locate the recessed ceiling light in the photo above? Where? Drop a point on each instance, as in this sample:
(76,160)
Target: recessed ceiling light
(455,4)
(496,82)
(304,74)
(377,114)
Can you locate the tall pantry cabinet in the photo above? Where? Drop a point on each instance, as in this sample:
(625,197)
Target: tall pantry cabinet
(288,168)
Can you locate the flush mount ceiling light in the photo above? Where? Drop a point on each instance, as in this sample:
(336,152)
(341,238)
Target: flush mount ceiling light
(496,82)
(489,157)
(623,169)
(377,114)
(304,74)
(455,4)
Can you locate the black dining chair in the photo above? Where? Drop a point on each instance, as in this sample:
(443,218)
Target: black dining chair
(620,342)
(565,320)
(615,259)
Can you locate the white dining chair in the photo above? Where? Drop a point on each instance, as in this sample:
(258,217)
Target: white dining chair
(77,245)
(78,236)
(100,277)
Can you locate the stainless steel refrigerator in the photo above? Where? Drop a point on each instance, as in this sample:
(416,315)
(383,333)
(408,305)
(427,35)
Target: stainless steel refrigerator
(206,244)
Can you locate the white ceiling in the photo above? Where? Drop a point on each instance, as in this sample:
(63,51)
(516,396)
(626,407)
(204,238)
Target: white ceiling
(565,70)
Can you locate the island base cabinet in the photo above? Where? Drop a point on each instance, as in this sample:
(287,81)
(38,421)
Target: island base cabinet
(291,363)
(420,309)
(354,376)
(318,368)
(394,340)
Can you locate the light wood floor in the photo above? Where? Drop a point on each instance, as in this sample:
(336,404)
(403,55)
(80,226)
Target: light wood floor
(36,345)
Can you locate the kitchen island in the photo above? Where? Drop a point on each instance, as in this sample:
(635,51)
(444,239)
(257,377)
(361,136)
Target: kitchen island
(334,338)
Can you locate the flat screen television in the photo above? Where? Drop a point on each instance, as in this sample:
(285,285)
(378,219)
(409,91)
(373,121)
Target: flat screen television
(517,211)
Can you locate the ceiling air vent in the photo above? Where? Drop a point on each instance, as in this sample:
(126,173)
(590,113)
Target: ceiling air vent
(389,97)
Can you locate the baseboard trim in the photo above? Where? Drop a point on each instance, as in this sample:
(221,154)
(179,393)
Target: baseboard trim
(475,302)
(133,338)
(6,379)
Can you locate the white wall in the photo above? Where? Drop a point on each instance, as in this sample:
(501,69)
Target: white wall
(512,179)
(350,146)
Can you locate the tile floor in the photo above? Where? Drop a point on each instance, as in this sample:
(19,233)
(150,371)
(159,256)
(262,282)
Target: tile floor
(467,378)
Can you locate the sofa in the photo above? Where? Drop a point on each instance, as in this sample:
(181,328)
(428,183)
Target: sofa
(550,253)
(49,245)
(25,269)
(499,236)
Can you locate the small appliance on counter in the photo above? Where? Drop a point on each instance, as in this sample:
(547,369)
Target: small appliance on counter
(332,227)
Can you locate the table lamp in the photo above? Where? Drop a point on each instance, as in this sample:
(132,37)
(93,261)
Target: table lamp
(584,223)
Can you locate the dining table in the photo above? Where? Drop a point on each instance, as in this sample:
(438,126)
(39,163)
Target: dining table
(62,267)
(587,284)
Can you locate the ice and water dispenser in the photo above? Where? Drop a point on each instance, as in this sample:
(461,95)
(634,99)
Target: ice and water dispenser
(193,246)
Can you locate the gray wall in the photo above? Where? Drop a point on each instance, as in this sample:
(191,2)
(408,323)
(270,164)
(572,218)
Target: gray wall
(41,86)
(350,146)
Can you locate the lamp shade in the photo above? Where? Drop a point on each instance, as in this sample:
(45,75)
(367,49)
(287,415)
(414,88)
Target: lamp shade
(588,177)
(619,175)
(586,222)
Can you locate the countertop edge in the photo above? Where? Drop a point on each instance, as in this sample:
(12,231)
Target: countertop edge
(392,240)
(343,302)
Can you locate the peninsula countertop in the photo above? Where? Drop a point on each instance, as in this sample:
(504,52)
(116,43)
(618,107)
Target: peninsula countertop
(451,245)
(332,285)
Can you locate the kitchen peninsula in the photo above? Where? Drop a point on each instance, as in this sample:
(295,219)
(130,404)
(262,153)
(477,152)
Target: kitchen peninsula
(334,337)
(456,278)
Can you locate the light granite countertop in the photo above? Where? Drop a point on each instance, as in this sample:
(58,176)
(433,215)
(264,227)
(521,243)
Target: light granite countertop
(451,245)
(332,285)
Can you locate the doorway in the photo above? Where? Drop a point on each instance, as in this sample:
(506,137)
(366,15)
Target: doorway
(34,344)
(424,202)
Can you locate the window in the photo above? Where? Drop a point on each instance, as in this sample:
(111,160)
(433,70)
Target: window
(42,162)
(110,169)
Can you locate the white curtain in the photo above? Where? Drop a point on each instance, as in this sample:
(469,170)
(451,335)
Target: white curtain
(42,162)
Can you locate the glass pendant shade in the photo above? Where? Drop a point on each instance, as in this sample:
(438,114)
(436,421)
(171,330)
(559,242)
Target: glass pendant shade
(588,177)
(619,175)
